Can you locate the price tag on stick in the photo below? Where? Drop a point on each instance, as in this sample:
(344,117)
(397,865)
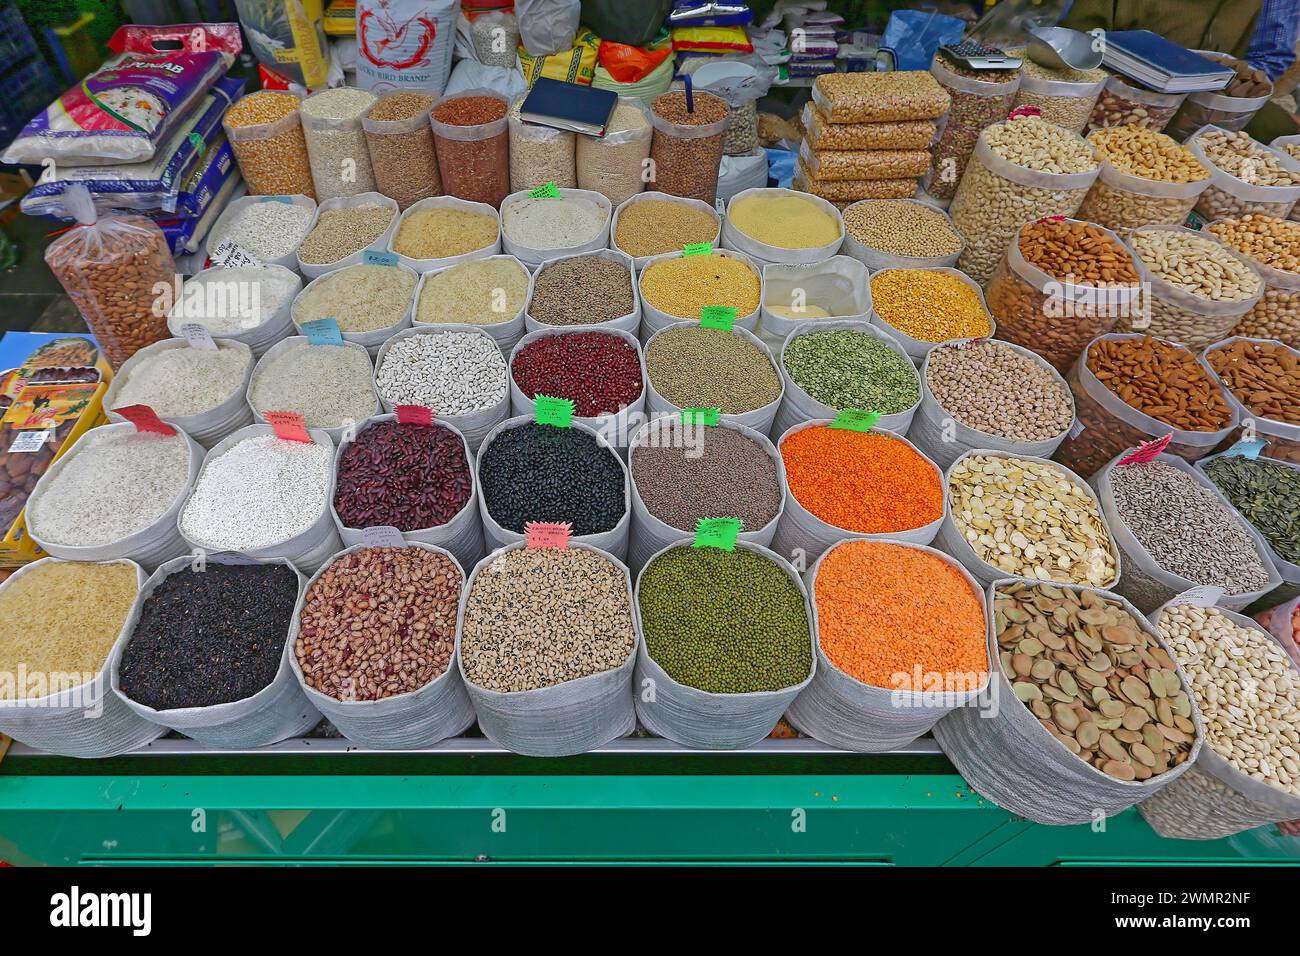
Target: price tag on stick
(288,425)
(198,336)
(382,536)
(557,412)
(855,420)
(145,419)
(548,534)
(717,533)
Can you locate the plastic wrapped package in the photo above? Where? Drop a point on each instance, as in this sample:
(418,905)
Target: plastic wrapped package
(864,164)
(284,36)
(879,97)
(1119,200)
(821,133)
(336,143)
(109,268)
(851,190)
(495,36)
(614,165)
(401,150)
(1229,196)
(547,26)
(976,104)
(473,149)
(540,154)
(687,145)
(265,131)
(1121,103)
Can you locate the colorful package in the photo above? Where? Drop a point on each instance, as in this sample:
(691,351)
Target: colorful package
(712,39)
(576,65)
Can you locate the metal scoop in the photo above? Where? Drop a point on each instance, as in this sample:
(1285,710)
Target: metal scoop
(1064,49)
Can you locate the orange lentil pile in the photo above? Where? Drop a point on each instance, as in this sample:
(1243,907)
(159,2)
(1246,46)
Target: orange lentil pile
(865,482)
(884,610)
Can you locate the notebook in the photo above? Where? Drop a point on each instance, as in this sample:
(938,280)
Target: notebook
(583,109)
(1162,64)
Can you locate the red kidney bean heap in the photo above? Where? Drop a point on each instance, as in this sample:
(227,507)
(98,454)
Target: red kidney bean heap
(411,477)
(599,371)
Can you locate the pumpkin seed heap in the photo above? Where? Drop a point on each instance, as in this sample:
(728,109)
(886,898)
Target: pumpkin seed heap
(1267,493)
(1095,679)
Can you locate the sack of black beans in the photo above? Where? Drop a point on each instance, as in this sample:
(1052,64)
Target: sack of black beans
(839,709)
(187,379)
(88,720)
(536,229)
(838,370)
(120,482)
(733,237)
(392,479)
(659,231)
(443,230)
(315,382)
(767,644)
(585,290)
(471,292)
(222,301)
(701,471)
(654,319)
(555,630)
(1003,749)
(1170,522)
(1239,782)
(795,295)
(434,711)
(342,295)
(541,473)
(276,711)
(343,237)
(271,234)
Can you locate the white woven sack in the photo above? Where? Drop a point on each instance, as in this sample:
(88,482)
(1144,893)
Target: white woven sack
(276,712)
(535,255)
(617,427)
(638,262)
(951,539)
(222,225)
(629,322)
(336,432)
(1214,799)
(1283,196)
(876,260)
(613,541)
(259,337)
(760,419)
(309,548)
(842,711)
(371,340)
(416,719)
(84,721)
(562,720)
(207,428)
(1007,756)
(314,270)
(462,535)
(703,719)
(798,406)
(653,320)
(840,285)
(733,238)
(150,546)
(1144,581)
(801,533)
(943,438)
(917,348)
(473,425)
(506,333)
(650,534)
(422,266)
(1268,427)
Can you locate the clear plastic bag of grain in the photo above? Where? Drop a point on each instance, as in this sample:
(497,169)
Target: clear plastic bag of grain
(1064,97)
(400,139)
(614,165)
(336,143)
(265,133)
(540,154)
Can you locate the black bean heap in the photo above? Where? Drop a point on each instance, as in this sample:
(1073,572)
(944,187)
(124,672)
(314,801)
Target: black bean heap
(209,637)
(539,473)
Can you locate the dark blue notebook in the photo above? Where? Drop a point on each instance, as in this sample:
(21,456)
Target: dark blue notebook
(583,109)
(1162,64)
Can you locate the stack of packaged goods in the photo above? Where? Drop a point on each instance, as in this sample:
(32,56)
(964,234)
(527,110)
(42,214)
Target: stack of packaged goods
(867,135)
(812,42)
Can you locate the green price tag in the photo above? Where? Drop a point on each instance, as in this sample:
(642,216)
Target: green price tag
(718,317)
(701,416)
(557,412)
(717,533)
(856,420)
(697,249)
(549,191)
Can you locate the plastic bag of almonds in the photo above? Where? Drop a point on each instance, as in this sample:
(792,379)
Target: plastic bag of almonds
(1261,378)
(1022,169)
(1121,104)
(1145,178)
(1065,97)
(978,100)
(1060,284)
(1245,776)
(1273,247)
(1245,176)
(1230,108)
(1198,288)
(1073,667)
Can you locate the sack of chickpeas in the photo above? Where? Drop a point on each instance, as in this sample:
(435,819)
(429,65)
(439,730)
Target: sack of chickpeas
(1145,178)
(977,100)
(1247,691)
(1245,176)
(1272,246)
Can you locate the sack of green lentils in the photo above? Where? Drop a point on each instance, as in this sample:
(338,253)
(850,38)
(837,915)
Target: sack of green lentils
(360,294)
(267,233)
(843,711)
(301,384)
(88,720)
(656,232)
(917,348)
(331,245)
(537,229)
(206,427)
(717,720)
(222,301)
(1215,798)
(654,319)
(806,205)
(492,293)
(1007,755)
(415,719)
(1156,526)
(896,383)
(276,712)
(461,534)
(553,301)
(794,295)
(443,230)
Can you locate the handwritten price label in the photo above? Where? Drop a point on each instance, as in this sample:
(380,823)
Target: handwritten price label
(701,416)
(289,426)
(228,255)
(717,317)
(556,412)
(717,533)
(376,257)
(548,534)
(697,249)
(322,332)
(547,191)
(382,536)
(198,337)
(855,420)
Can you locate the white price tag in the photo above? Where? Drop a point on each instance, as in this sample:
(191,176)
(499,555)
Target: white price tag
(228,255)
(198,336)
(30,441)
(1077,429)
(382,536)
(1203,595)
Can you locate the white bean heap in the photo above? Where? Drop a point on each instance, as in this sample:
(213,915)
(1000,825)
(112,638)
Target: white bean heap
(451,372)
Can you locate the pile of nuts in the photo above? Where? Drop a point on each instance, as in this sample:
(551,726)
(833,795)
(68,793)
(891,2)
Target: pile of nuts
(994,389)
(1034,143)
(1070,109)
(1097,681)
(1263,376)
(978,99)
(1274,244)
(1251,164)
(1138,151)
(1031,519)
(1135,151)
(1122,105)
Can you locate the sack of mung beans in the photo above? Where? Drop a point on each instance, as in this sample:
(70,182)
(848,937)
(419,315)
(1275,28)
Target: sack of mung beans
(1218,797)
(715,720)
(794,295)
(804,212)
(1219,546)
(206,427)
(839,709)
(461,534)
(276,712)
(271,235)
(222,301)
(536,230)
(653,318)
(366,404)
(1006,753)
(353,249)
(443,230)
(88,720)
(1231,195)
(468,293)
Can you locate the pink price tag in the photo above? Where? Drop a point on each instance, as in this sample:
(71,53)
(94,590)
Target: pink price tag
(414,414)
(288,426)
(1050,219)
(1020,111)
(547,534)
(1147,451)
(145,419)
